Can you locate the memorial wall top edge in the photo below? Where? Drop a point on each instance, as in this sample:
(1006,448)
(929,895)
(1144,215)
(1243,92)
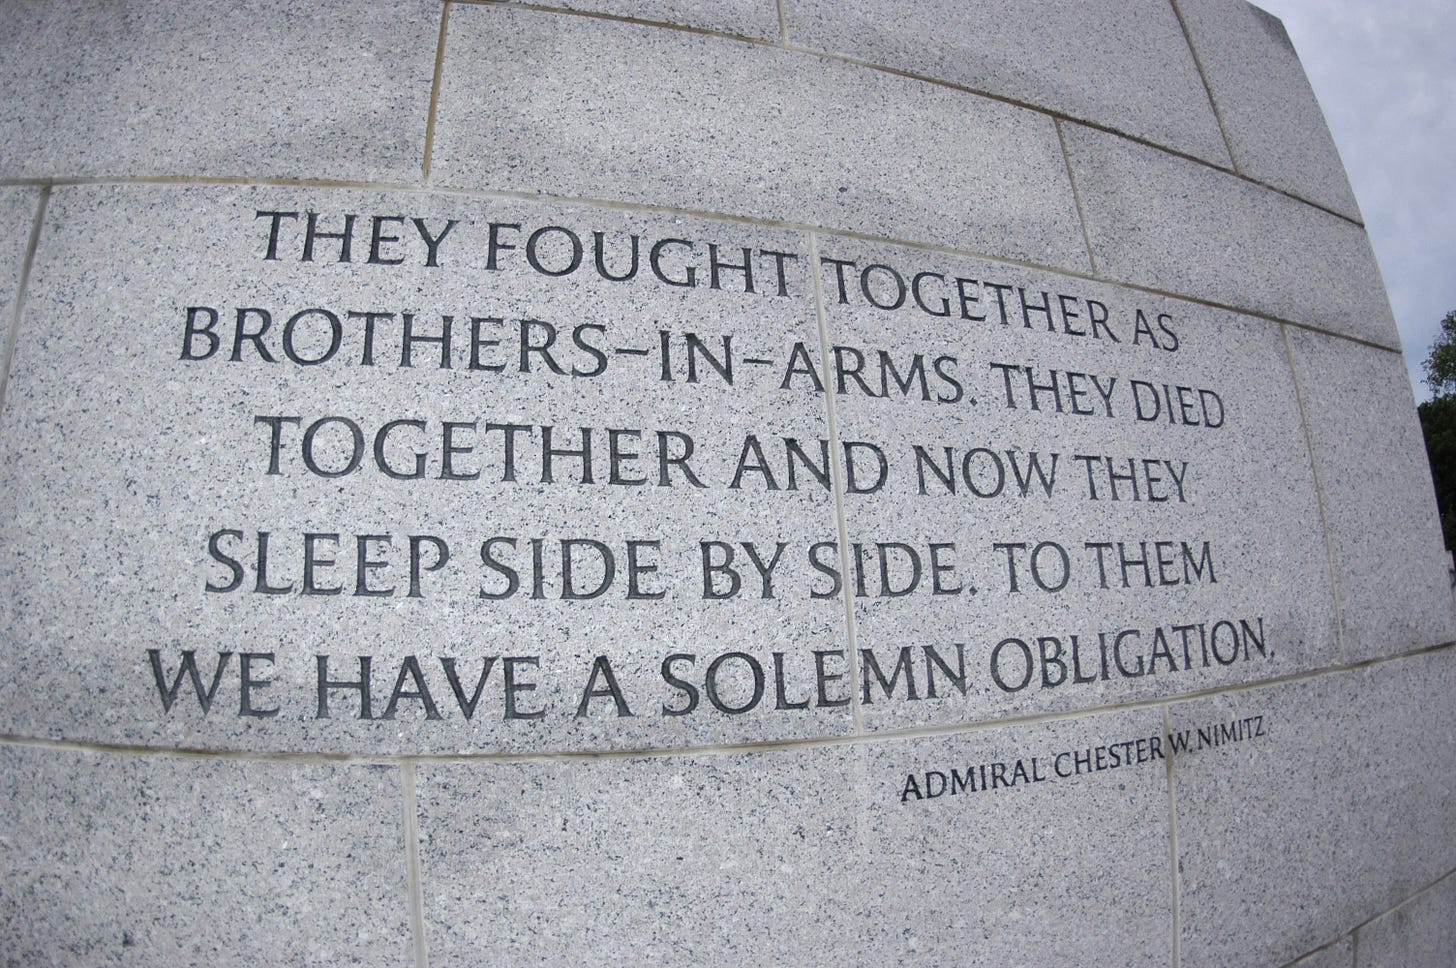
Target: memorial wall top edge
(209,112)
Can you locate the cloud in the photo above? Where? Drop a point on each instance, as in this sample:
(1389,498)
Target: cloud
(1383,77)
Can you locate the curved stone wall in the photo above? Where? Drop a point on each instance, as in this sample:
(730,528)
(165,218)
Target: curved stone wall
(684,482)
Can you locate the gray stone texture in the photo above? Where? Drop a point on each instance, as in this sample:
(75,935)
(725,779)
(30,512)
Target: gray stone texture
(1172,224)
(1274,124)
(148,816)
(118,859)
(1390,562)
(1421,933)
(1247,489)
(583,107)
(1342,810)
(1341,954)
(17,214)
(131,513)
(1122,65)
(808,853)
(258,88)
(758,19)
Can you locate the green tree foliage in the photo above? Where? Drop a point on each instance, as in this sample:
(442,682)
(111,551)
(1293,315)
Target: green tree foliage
(1440,366)
(1438,423)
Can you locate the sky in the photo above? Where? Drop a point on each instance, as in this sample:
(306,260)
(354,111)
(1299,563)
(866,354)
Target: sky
(1385,75)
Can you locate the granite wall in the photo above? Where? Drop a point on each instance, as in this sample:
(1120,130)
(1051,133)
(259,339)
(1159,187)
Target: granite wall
(630,481)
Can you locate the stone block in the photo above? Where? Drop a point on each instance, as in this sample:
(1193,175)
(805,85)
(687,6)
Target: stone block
(575,106)
(152,447)
(1063,458)
(1391,567)
(121,859)
(701,860)
(1120,65)
(817,854)
(256,88)
(758,19)
(1312,806)
(1274,124)
(989,879)
(1421,933)
(1171,224)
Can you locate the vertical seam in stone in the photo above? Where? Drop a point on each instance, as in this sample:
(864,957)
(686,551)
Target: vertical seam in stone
(783,24)
(412,863)
(1202,76)
(852,643)
(1177,881)
(1319,493)
(15,311)
(435,89)
(1076,196)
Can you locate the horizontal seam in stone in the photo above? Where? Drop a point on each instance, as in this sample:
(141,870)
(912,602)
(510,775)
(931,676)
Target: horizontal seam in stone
(719,749)
(936,81)
(1353,933)
(1396,907)
(625,19)
(1322,948)
(704,214)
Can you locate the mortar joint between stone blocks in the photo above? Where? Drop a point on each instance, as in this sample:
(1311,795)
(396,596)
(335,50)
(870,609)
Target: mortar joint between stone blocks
(1322,948)
(1062,116)
(1076,197)
(1408,899)
(1203,78)
(1175,884)
(617,18)
(917,244)
(837,476)
(1319,493)
(435,91)
(706,215)
(411,818)
(205,181)
(12,328)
